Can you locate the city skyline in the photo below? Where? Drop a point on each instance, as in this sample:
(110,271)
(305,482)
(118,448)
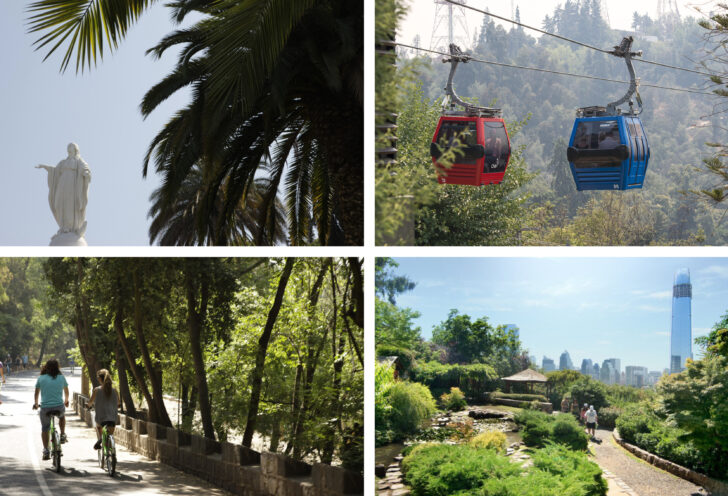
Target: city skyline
(596,308)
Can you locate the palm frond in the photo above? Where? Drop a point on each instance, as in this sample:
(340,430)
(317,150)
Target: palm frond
(87,22)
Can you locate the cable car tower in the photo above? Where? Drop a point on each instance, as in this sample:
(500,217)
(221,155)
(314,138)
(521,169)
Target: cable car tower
(450,26)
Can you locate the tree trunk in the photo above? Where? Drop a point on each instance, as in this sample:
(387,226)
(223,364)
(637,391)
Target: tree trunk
(357,292)
(130,360)
(124,392)
(338,354)
(314,350)
(82,328)
(195,325)
(154,375)
(42,350)
(257,375)
(189,405)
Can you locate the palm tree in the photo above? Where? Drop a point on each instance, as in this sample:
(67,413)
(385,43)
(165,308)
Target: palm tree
(277,89)
(176,223)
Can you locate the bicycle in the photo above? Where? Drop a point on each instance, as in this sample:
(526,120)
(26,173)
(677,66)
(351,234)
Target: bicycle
(107,452)
(55,440)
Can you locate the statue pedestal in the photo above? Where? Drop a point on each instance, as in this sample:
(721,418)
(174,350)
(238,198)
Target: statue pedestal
(68,239)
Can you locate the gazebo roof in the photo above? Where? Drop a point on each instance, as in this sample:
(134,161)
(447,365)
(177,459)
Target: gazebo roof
(527,375)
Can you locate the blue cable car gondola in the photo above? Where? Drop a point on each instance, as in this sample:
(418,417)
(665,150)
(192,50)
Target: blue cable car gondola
(608,149)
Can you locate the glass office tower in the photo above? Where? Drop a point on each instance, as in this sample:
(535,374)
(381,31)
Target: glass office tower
(681,335)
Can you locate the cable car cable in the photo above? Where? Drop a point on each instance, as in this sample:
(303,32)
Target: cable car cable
(548,71)
(564,38)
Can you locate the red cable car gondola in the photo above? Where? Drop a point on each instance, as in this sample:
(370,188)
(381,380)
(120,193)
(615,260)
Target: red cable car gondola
(473,140)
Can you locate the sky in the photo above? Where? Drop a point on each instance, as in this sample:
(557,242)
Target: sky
(421,15)
(41,111)
(595,308)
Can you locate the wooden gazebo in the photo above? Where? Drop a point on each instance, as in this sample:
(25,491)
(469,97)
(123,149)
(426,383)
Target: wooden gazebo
(527,376)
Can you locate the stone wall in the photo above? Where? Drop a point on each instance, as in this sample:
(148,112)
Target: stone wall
(233,467)
(716,487)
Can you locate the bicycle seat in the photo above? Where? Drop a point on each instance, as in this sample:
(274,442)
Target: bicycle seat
(54,413)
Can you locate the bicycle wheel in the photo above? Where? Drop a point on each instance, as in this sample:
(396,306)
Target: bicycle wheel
(57,451)
(111,457)
(111,465)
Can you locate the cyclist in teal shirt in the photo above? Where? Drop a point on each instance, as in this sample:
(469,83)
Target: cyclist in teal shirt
(52,386)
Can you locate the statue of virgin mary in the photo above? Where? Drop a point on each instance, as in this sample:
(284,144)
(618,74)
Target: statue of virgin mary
(68,195)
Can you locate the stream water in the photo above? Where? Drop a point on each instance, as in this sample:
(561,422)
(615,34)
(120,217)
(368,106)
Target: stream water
(384,455)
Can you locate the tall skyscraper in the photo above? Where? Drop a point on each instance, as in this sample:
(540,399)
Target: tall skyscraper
(565,361)
(587,367)
(681,334)
(547,364)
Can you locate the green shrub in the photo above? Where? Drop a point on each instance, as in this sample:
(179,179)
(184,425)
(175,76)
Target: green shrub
(518,396)
(461,470)
(635,419)
(490,440)
(406,357)
(383,381)
(440,470)
(411,404)
(539,428)
(608,417)
(587,390)
(454,400)
(574,468)
(567,431)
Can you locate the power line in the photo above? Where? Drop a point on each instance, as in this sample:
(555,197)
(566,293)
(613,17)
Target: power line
(548,71)
(564,38)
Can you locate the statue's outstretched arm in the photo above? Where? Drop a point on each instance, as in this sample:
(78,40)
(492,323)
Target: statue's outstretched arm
(46,167)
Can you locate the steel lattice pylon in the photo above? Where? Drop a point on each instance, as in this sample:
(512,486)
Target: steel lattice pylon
(450,26)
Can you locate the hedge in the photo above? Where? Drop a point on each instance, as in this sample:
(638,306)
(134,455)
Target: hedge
(474,380)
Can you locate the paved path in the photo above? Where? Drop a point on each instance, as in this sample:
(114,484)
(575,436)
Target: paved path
(23,472)
(628,475)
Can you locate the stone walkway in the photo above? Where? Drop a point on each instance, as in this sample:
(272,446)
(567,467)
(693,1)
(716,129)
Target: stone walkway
(629,476)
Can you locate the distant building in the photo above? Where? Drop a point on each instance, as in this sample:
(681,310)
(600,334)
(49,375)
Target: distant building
(636,376)
(565,361)
(595,372)
(547,364)
(616,365)
(607,374)
(532,359)
(681,331)
(587,367)
(653,376)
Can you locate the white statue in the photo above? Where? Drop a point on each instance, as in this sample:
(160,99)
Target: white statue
(68,196)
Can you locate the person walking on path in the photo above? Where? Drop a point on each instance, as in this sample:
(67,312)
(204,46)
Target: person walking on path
(106,399)
(51,386)
(591,420)
(582,414)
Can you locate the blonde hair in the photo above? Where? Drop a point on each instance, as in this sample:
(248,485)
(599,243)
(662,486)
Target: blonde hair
(105,377)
